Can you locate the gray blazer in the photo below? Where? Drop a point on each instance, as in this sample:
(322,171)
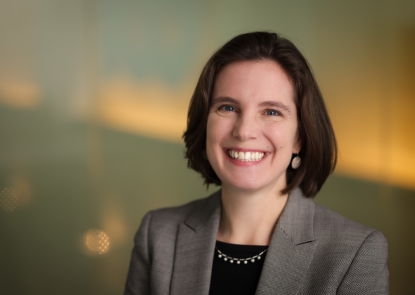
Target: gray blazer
(312,251)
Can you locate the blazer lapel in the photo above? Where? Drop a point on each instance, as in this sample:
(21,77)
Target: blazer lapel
(195,248)
(291,249)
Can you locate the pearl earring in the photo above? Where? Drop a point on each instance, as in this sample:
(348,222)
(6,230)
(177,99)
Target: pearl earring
(296,162)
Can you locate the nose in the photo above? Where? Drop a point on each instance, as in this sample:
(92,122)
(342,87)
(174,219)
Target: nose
(245,127)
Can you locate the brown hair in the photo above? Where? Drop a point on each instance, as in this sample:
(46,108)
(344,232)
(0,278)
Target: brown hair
(318,144)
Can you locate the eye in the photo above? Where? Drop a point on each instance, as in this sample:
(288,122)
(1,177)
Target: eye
(272,113)
(227,108)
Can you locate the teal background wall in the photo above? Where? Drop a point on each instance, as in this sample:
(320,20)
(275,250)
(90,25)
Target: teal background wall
(93,100)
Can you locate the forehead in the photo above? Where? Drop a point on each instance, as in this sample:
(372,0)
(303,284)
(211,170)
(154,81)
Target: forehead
(254,79)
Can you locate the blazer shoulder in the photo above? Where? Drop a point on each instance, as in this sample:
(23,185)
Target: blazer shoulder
(331,225)
(356,256)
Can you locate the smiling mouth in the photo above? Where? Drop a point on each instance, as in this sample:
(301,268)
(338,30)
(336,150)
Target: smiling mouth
(246,156)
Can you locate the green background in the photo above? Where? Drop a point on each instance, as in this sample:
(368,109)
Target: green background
(75,173)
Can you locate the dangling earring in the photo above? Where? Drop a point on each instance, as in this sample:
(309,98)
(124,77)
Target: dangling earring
(296,162)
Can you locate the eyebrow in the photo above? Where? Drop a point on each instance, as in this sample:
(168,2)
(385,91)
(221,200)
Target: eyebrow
(224,99)
(275,104)
(268,103)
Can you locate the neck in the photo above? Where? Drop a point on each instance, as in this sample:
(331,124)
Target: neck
(249,218)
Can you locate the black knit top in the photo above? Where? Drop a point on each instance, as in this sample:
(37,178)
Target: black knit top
(232,278)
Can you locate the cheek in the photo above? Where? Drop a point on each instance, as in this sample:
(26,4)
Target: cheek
(284,139)
(216,129)
(211,135)
(212,142)
(217,135)
(210,132)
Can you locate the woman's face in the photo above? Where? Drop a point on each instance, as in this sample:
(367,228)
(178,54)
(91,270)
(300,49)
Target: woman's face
(252,126)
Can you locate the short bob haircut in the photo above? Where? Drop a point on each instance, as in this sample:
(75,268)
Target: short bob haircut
(318,144)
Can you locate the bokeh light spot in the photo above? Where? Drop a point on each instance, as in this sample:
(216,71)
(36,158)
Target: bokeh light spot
(8,199)
(97,241)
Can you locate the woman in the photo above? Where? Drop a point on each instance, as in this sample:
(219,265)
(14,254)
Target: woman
(257,126)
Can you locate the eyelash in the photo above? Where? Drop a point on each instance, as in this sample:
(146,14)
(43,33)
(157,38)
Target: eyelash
(222,108)
(226,108)
(277,113)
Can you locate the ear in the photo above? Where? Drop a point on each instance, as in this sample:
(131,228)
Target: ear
(297,145)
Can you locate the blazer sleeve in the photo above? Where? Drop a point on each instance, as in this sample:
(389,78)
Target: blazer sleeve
(138,278)
(368,272)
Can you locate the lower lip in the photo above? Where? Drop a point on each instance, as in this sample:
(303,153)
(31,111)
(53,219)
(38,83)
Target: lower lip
(244,163)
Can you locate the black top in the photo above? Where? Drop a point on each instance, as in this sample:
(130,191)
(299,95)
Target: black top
(232,278)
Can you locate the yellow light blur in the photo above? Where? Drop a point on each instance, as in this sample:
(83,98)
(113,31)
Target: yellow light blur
(96,241)
(8,199)
(151,109)
(19,94)
(112,221)
(376,140)
(23,189)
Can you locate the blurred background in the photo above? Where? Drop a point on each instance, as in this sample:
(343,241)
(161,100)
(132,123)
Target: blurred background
(93,102)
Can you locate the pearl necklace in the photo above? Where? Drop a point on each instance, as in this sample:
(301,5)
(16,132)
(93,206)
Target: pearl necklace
(240,260)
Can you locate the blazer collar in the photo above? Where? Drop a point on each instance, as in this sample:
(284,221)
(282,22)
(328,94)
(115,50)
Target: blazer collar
(291,249)
(207,209)
(296,220)
(195,247)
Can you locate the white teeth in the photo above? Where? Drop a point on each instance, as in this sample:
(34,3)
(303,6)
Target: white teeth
(247,156)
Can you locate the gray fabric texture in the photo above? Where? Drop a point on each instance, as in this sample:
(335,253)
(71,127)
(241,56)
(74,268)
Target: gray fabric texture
(313,251)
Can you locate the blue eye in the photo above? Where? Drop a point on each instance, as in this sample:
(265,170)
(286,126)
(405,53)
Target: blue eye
(227,108)
(272,113)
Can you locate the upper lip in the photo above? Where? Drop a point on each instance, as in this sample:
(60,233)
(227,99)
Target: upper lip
(245,150)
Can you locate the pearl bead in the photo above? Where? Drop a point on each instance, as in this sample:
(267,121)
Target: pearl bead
(238,260)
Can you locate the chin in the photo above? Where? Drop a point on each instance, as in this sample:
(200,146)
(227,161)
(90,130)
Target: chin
(245,186)
(254,184)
